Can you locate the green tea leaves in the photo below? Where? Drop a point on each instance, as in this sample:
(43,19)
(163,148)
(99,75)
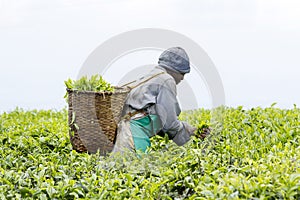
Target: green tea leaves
(250,154)
(95,83)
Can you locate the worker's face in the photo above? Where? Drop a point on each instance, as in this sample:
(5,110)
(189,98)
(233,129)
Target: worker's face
(178,77)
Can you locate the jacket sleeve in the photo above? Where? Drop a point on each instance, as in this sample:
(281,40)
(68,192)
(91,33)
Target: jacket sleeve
(167,108)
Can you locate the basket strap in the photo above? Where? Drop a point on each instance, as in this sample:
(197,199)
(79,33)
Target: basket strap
(155,75)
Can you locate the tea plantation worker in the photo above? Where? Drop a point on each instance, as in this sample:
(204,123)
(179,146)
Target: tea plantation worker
(151,107)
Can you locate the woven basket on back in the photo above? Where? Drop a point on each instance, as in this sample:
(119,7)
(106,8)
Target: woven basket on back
(93,119)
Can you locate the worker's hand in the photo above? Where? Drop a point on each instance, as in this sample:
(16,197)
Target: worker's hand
(190,129)
(204,132)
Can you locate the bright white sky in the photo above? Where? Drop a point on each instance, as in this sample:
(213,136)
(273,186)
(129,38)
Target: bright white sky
(255,45)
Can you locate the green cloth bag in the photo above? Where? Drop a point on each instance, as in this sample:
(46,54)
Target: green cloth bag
(142,129)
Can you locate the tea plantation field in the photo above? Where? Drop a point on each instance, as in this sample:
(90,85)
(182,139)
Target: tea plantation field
(250,154)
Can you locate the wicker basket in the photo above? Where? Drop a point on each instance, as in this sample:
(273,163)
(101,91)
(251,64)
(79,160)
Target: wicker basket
(93,119)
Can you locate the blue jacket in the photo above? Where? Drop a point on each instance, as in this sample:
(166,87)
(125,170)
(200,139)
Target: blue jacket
(158,96)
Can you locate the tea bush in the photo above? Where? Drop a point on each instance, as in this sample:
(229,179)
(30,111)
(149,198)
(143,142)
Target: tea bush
(250,154)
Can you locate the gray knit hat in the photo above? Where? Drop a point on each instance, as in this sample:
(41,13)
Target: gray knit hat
(175,58)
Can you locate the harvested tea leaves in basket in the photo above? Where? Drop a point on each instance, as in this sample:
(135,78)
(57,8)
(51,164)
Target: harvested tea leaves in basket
(95,83)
